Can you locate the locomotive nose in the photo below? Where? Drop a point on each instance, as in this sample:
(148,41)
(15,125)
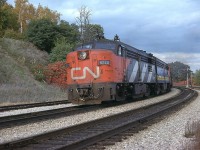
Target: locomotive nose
(83,67)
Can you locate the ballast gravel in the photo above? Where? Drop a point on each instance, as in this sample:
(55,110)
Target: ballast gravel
(34,109)
(23,131)
(169,134)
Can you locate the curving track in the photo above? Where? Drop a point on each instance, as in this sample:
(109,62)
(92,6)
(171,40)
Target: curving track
(86,134)
(26,118)
(21,119)
(23,106)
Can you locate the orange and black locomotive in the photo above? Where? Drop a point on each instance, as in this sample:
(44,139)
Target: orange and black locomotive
(107,70)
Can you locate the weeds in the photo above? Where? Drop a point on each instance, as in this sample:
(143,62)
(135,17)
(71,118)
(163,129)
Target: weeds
(18,61)
(192,130)
(20,93)
(38,72)
(24,52)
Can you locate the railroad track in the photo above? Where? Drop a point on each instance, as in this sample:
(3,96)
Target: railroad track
(27,118)
(23,106)
(32,117)
(87,134)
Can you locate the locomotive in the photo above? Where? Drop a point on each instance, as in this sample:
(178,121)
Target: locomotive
(104,70)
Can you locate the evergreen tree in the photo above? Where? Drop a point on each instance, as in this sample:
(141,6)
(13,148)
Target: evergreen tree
(61,49)
(42,33)
(179,71)
(197,77)
(70,32)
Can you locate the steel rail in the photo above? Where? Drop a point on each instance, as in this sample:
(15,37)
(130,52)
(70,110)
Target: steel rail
(21,119)
(85,134)
(25,118)
(23,106)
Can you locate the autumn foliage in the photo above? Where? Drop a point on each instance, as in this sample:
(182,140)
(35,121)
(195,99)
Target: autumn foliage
(55,73)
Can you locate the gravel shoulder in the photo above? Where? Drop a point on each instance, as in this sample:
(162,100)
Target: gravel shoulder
(23,131)
(167,134)
(34,109)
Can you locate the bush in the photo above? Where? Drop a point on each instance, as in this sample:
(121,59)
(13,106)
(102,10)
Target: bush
(1,34)
(197,77)
(61,49)
(42,34)
(38,72)
(13,35)
(55,73)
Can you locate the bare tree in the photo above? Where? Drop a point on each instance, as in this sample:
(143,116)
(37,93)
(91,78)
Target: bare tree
(83,21)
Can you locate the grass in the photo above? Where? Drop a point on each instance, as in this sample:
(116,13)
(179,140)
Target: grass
(24,52)
(17,82)
(19,93)
(192,131)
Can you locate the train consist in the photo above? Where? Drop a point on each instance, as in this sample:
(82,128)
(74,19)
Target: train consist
(107,70)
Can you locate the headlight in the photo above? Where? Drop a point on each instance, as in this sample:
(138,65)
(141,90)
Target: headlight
(82,55)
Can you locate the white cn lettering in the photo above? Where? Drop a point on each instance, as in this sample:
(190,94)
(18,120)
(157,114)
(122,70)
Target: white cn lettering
(97,75)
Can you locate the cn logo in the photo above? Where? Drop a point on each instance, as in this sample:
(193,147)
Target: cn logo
(85,69)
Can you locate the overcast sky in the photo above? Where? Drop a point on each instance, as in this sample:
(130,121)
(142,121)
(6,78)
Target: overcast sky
(170,29)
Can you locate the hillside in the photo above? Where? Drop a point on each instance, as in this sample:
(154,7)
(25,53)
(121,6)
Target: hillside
(17,83)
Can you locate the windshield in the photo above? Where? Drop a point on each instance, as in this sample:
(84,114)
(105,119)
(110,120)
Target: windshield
(104,45)
(86,46)
(98,45)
